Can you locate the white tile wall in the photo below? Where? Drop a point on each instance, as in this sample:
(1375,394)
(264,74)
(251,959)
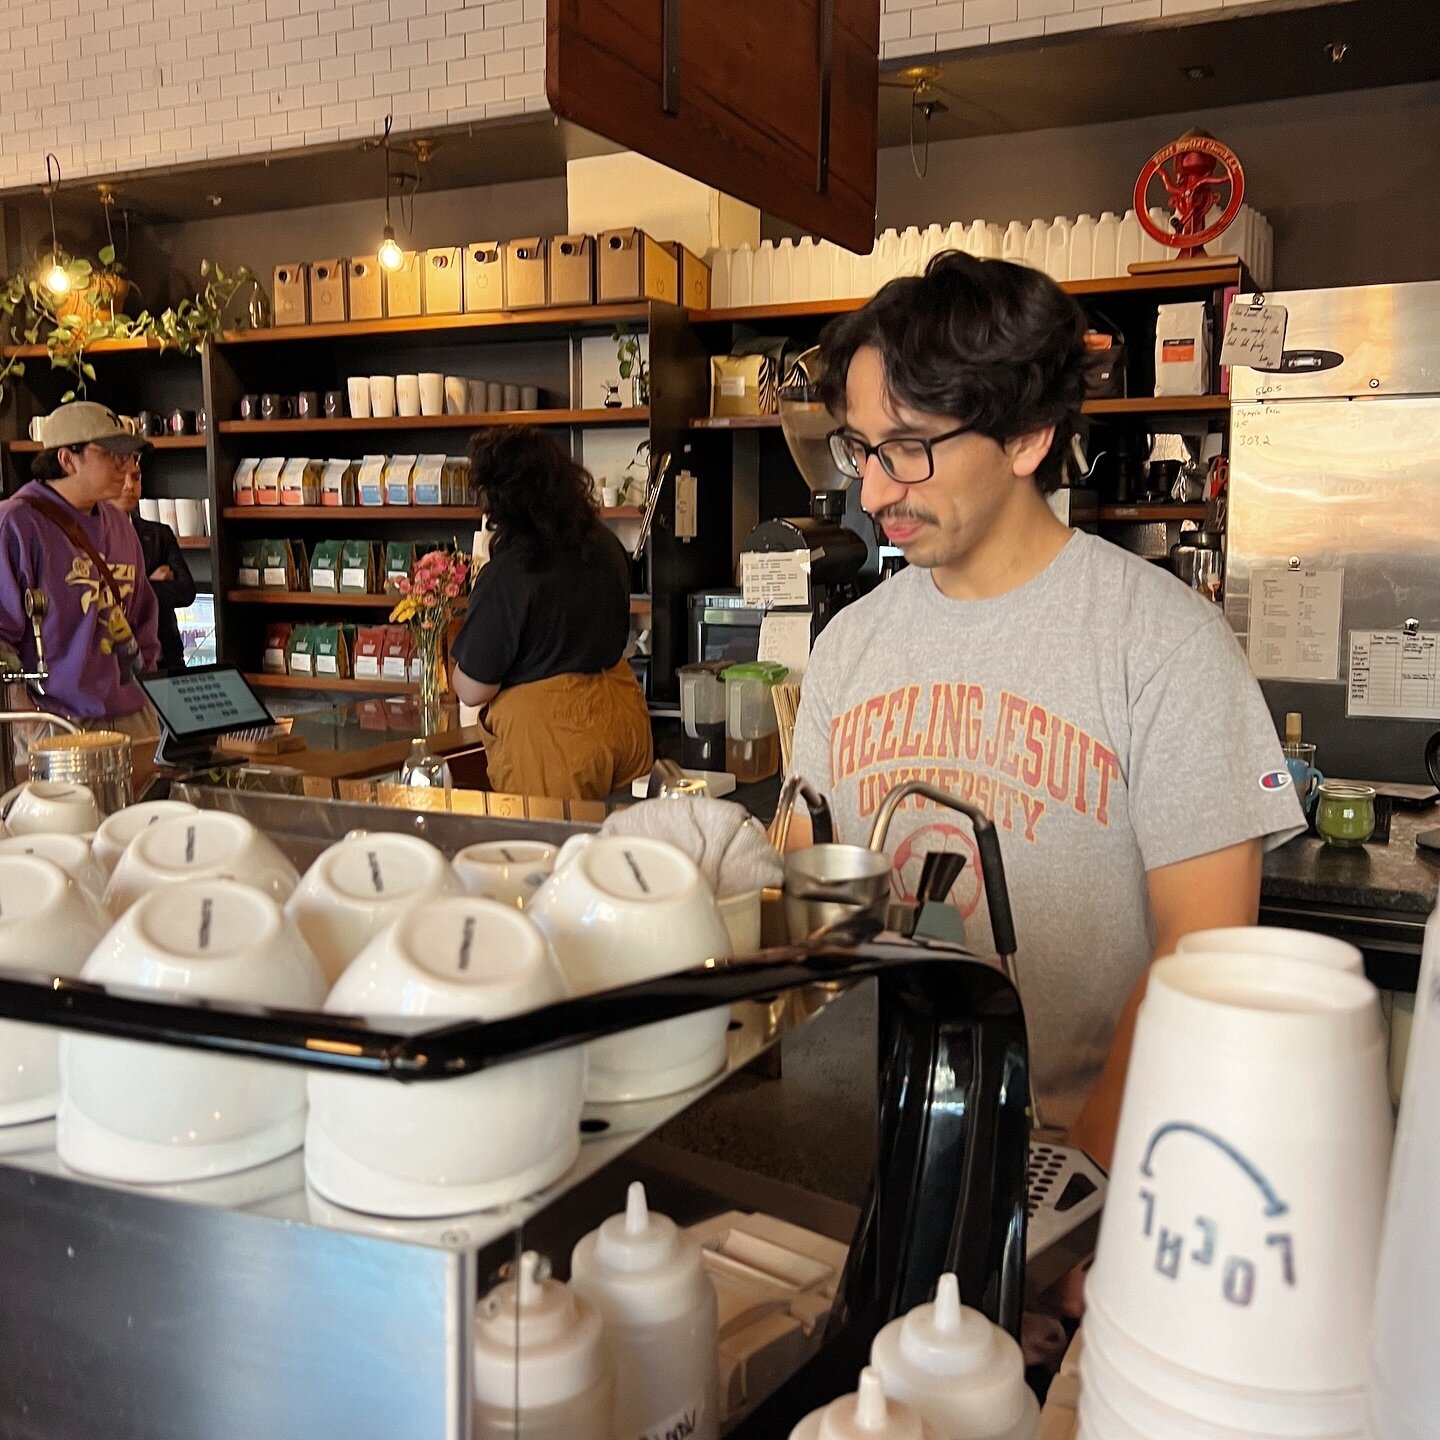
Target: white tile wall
(926,27)
(120,84)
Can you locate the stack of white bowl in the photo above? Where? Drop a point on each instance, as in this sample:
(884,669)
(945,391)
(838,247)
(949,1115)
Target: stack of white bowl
(1232,1291)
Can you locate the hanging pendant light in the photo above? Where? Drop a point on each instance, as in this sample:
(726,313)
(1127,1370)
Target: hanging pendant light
(391,256)
(56,279)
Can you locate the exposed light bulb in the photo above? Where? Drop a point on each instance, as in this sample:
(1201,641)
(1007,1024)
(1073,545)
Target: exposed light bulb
(391,256)
(55,279)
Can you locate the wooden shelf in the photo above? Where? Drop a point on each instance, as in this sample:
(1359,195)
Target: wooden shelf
(627,416)
(266,513)
(160,442)
(1160,405)
(736,422)
(1209,277)
(556,317)
(100,347)
(194,542)
(1152,512)
(350,686)
(310,597)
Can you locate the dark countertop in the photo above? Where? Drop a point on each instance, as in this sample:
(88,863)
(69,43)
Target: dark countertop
(1395,878)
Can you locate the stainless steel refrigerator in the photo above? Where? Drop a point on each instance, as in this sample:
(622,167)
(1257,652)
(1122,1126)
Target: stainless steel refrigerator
(1333,545)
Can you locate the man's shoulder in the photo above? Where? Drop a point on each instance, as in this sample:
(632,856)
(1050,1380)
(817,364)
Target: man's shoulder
(1134,597)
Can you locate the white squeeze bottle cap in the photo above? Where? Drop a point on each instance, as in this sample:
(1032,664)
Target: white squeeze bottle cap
(865,1415)
(965,1375)
(554,1335)
(648,1270)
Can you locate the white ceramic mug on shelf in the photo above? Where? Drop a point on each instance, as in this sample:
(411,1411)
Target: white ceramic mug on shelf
(190,517)
(358,389)
(432,393)
(457,395)
(456,1145)
(620,909)
(407,394)
(359,886)
(152,1114)
(207,845)
(382,396)
(50,806)
(149,509)
(48,926)
(169,513)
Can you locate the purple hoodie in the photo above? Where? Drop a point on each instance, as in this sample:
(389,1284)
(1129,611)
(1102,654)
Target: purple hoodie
(85,681)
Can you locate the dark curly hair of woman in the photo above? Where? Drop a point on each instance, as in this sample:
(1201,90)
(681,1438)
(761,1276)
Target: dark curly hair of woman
(539,501)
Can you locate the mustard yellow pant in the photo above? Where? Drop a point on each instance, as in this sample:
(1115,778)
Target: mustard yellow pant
(569,737)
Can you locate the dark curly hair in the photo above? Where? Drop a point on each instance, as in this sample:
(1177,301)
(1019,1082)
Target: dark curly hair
(540,502)
(998,347)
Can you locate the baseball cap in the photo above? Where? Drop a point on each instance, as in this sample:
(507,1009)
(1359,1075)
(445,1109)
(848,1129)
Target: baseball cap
(83,422)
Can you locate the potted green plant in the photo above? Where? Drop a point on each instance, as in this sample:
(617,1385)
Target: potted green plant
(632,365)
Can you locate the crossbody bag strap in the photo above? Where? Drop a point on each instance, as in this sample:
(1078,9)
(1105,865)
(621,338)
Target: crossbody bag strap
(130,656)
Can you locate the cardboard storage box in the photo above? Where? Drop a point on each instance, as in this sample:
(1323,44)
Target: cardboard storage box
(572,270)
(291,294)
(525,273)
(693,277)
(367,299)
(402,286)
(484,276)
(632,266)
(443,281)
(327,291)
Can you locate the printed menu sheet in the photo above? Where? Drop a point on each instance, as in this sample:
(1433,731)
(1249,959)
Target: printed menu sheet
(1394,674)
(1295,624)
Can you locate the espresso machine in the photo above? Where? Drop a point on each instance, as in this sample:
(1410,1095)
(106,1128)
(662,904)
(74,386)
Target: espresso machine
(837,553)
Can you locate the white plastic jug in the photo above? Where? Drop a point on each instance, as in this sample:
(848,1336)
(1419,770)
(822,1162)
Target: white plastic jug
(1150,248)
(782,274)
(540,1365)
(865,1415)
(1082,249)
(994,241)
(844,284)
(1013,246)
(1057,249)
(742,264)
(1107,241)
(932,242)
(975,239)
(1127,245)
(762,273)
(720,277)
(822,270)
(962,1374)
(1035,244)
(955,234)
(645,1277)
(910,245)
(886,259)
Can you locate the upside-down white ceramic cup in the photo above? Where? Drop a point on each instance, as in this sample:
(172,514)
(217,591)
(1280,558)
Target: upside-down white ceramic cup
(157,1113)
(620,909)
(445,1147)
(48,927)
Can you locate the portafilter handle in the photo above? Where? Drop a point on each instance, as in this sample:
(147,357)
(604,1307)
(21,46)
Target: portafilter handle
(987,841)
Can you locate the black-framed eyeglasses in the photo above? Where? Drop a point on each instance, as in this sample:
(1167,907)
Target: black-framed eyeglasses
(906,459)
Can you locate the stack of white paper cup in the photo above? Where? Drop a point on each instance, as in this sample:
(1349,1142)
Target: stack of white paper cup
(1232,1290)
(1403,1396)
(1274,940)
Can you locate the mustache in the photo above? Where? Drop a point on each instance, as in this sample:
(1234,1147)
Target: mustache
(902,510)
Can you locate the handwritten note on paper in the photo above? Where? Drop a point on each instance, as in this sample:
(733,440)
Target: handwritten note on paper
(1394,674)
(1254,336)
(1295,624)
(786,638)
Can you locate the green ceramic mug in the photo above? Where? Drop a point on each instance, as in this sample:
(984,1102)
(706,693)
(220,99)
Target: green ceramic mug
(1345,814)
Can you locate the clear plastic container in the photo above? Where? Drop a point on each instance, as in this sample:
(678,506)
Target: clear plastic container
(752,740)
(702,716)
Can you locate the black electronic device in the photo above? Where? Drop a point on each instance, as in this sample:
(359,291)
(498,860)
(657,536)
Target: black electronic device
(196,707)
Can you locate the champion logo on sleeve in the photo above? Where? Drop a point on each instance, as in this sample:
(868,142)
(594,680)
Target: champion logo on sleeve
(1274,779)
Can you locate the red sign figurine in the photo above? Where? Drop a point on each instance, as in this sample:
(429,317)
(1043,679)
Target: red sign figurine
(1195,171)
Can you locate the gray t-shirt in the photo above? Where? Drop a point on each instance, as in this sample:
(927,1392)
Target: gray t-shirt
(1105,718)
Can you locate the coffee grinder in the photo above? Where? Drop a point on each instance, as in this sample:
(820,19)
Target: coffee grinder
(837,554)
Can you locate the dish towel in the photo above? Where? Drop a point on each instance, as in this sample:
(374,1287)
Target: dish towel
(723,839)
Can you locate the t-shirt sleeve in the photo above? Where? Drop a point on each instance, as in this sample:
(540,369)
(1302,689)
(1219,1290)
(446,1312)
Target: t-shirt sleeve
(489,641)
(1206,768)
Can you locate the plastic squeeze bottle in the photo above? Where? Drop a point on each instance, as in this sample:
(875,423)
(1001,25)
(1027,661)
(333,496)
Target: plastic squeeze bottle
(658,1308)
(865,1415)
(541,1371)
(962,1374)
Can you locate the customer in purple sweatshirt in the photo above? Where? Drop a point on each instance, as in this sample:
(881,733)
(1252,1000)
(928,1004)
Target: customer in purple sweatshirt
(92,644)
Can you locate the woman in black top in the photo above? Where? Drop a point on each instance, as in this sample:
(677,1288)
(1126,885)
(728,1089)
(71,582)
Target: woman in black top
(165,565)
(543,643)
